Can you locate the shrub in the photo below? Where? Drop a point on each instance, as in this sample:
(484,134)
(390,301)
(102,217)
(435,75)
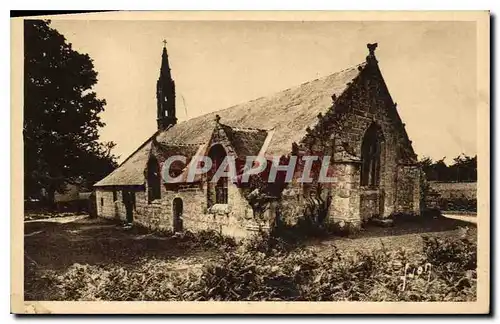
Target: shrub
(205,238)
(254,276)
(460,203)
(39,285)
(365,276)
(267,243)
(213,239)
(268,269)
(455,260)
(443,252)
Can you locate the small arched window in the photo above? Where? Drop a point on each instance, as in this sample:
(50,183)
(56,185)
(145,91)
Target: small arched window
(370,156)
(154,179)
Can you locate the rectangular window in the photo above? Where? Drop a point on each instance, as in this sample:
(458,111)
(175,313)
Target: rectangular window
(102,201)
(221,191)
(115,195)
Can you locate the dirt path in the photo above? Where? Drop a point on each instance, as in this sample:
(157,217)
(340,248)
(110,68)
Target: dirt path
(465,218)
(406,236)
(58,220)
(61,220)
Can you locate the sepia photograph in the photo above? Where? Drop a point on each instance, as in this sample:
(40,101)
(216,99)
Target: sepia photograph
(265,158)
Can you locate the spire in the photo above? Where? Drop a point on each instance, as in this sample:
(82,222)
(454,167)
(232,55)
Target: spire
(165,66)
(165,94)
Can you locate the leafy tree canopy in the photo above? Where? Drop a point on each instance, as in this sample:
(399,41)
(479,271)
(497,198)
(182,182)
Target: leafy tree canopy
(463,168)
(61,114)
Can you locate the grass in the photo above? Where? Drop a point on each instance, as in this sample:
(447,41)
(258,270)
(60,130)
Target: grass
(57,246)
(91,259)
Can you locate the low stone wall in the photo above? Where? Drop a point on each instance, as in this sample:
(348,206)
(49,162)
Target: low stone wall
(455,189)
(452,196)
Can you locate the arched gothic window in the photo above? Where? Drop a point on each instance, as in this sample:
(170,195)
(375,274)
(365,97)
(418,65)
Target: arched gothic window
(154,179)
(217,192)
(370,156)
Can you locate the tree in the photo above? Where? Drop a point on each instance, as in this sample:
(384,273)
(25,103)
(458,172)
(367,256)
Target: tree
(464,168)
(427,166)
(61,114)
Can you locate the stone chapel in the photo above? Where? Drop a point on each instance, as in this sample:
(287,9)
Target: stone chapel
(349,116)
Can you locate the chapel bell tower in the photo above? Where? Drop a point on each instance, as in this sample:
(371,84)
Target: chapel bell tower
(165,94)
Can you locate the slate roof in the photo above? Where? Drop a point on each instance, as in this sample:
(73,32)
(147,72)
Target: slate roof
(287,113)
(131,171)
(245,142)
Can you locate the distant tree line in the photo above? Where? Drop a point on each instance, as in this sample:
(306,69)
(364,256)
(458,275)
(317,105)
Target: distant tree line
(463,169)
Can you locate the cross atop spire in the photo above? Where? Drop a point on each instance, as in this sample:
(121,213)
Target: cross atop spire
(371,53)
(164,43)
(372,48)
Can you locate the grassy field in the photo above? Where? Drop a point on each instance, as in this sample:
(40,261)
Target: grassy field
(84,257)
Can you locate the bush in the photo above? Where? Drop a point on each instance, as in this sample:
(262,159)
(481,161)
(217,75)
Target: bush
(455,261)
(268,269)
(207,239)
(213,239)
(254,276)
(459,252)
(336,276)
(458,204)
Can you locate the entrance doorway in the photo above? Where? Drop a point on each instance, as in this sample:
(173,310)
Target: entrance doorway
(372,167)
(129,202)
(177,210)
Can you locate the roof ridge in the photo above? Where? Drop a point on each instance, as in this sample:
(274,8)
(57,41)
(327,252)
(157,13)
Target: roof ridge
(325,76)
(180,144)
(236,128)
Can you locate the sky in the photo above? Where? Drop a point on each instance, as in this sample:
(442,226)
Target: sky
(428,66)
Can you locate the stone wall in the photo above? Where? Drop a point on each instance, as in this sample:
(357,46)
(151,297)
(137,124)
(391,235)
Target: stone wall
(107,207)
(352,134)
(234,219)
(408,189)
(229,219)
(341,131)
(291,206)
(346,194)
(370,204)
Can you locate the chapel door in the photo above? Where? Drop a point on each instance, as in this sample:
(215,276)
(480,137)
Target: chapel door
(177,211)
(129,202)
(372,152)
